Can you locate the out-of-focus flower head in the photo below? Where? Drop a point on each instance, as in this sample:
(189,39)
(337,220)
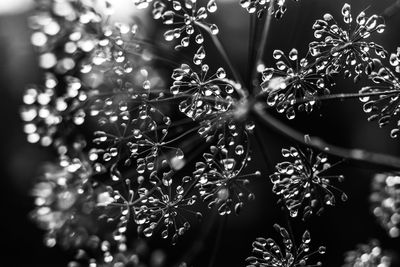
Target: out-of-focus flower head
(367,255)
(385,202)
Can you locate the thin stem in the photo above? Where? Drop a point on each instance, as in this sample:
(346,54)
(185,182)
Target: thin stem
(194,129)
(289,226)
(347,96)
(224,55)
(340,96)
(262,44)
(391,10)
(251,49)
(355,154)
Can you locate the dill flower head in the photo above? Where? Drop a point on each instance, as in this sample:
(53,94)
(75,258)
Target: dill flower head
(382,99)
(291,81)
(221,182)
(302,184)
(385,202)
(366,255)
(267,252)
(343,48)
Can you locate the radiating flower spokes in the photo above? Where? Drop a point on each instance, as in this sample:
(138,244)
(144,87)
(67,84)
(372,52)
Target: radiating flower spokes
(267,252)
(382,100)
(141,140)
(165,205)
(292,80)
(219,177)
(303,185)
(206,95)
(342,48)
(185,16)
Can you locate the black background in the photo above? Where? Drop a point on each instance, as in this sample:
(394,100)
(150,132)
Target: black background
(341,123)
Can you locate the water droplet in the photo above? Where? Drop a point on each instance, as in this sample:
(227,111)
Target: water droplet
(239,150)
(293,54)
(179,190)
(250,126)
(148,232)
(199,39)
(164,234)
(221,73)
(179,153)
(228,164)
(214,29)
(277,54)
(346,10)
(169,35)
(211,6)
(201,53)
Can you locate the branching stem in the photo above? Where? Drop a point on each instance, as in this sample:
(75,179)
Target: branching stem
(355,154)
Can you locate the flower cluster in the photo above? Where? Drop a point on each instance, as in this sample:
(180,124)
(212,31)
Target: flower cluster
(220,179)
(342,48)
(291,81)
(185,16)
(64,202)
(300,82)
(269,253)
(163,206)
(385,202)
(367,255)
(302,183)
(382,100)
(204,94)
(63,31)
(48,115)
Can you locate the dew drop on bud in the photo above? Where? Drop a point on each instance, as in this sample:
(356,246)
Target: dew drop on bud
(214,29)
(293,54)
(199,39)
(211,6)
(346,10)
(201,53)
(277,54)
(148,232)
(239,150)
(250,126)
(221,74)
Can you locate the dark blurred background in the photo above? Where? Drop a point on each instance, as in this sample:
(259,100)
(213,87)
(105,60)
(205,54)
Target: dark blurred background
(338,122)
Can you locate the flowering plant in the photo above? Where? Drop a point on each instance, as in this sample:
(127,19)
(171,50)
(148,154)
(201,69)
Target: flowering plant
(139,152)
